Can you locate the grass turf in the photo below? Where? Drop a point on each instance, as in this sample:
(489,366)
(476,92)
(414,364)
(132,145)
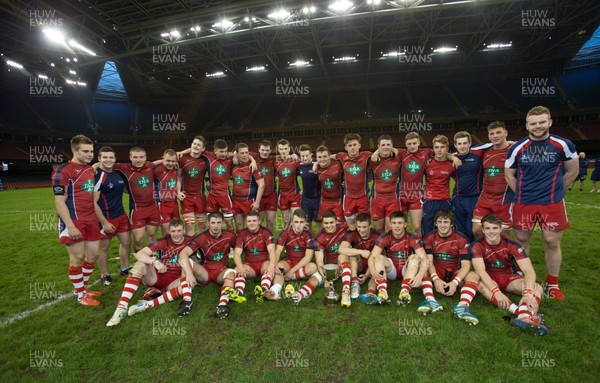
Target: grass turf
(277,341)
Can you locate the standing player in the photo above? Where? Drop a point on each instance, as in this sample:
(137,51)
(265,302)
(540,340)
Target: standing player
(384,197)
(73,186)
(437,183)
(355,164)
(537,168)
(311,187)
(165,178)
(595,175)
(108,198)
(450,264)
(191,172)
(328,242)
(583,168)
(469,182)
(495,258)
(144,216)
(330,174)
(219,171)
(299,247)
(357,246)
(214,245)
(286,168)
(257,243)
(266,165)
(247,188)
(163,273)
(403,253)
(496,195)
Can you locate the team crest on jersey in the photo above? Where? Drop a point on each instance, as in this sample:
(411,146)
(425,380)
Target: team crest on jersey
(143,182)
(238,179)
(497,264)
(334,248)
(193,172)
(172,183)
(285,172)
(296,248)
(88,186)
(254,251)
(264,170)
(217,257)
(329,184)
(220,169)
(493,171)
(413,167)
(354,169)
(443,256)
(386,175)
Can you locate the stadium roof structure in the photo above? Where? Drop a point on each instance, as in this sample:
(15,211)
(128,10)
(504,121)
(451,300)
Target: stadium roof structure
(172,51)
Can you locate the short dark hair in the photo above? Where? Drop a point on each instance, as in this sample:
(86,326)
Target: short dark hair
(492,219)
(398,214)
(384,137)
(444,213)
(175,222)
(363,217)
(220,144)
(299,213)
(106,149)
(216,214)
(304,147)
(329,214)
(80,139)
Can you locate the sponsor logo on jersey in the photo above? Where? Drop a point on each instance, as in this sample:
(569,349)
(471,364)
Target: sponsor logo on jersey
(493,171)
(399,254)
(143,182)
(386,175)
(354,169)
(172,183)
(328,184)
(193,172)
(220,169)
(497,264)
(264,171)
(296,248)
(413,167)
(88,186)
(444,256)
(238,179)
(217,257)
(285,172)
(334,248)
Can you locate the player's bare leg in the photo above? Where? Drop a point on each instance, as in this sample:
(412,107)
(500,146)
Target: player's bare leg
(553,257)
(380,225)
(478,231)
(124,250)
(229,224)
(351,222)
(151,231)
(416,216)
(139,238)
(239,222)
(190,223)
(164,229)
(78,268)
(287,218)
(271,215)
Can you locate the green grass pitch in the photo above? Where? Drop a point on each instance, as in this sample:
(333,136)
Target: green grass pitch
(276,341)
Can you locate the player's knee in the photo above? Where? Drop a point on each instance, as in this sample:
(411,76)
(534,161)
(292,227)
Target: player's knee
(138,269)
(472,277)
(229,274)
(317,279)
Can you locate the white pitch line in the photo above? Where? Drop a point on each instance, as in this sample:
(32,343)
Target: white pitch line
(583,205)
(24,211)
(22,315)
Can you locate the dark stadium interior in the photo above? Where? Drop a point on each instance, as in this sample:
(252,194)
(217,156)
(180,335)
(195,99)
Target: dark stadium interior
(368,92)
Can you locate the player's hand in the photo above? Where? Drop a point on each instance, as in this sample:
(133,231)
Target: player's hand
(503,301)
(440,286)
(375,156)
(191,280)
(294,157)
(241,272)
(74,233)
(160,268)
(315,167)
(416,281)
(179,155)
(362,279)
(255,205)
(452,286)
(366,254)
(531,302)
(181,196)
(457,162)
(271,270)
(288,276)
(109,228)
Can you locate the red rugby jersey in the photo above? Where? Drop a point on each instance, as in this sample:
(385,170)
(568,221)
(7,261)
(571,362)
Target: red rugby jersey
(214,249)
(255,244)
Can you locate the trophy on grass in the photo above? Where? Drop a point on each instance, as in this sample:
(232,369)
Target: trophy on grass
(331,273)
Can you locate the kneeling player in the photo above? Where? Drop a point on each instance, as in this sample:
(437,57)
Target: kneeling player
(450,264)
(163,273)
(357,246)
(404,257)
(492,258)
(299,251)
(214,245)
(328,242)
(257,243)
